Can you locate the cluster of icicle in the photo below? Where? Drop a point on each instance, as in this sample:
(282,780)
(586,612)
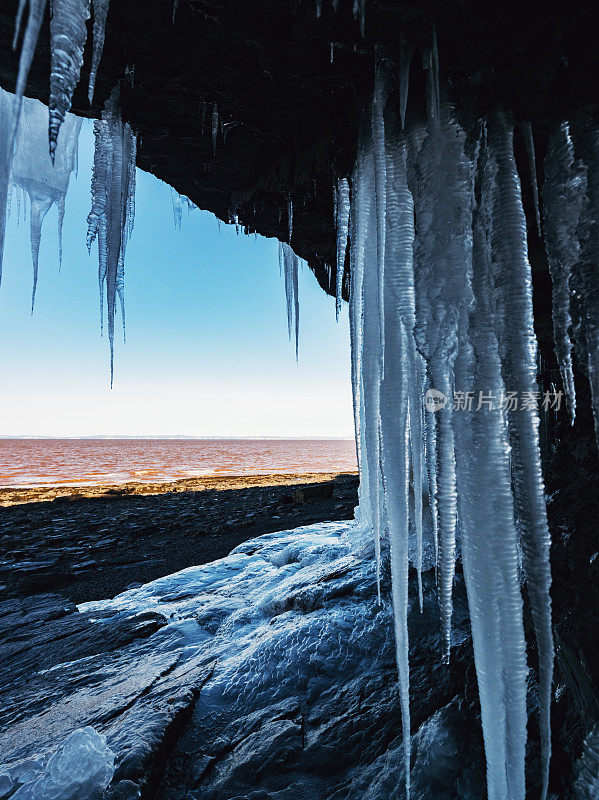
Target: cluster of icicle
(38,145)
(28,172)
(441,300)
(68,34)
(110,220)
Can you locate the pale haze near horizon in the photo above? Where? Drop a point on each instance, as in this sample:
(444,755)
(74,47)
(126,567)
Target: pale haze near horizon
(207,350)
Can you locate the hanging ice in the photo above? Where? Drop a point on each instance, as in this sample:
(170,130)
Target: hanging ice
(35,16)
(563,198)
(342,225)
(33,171)
(68,33)
(289,219)
(290,266)
(529,143)
(214,127)
(177,208)
(586,141)
(100,15)
(111,215)
(452,296)
(405,60)
(6,127)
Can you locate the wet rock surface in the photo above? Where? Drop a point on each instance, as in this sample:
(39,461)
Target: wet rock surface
(89,548)
(122,674)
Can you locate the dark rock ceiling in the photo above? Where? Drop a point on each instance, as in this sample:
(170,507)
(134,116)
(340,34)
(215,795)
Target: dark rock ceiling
(290,116)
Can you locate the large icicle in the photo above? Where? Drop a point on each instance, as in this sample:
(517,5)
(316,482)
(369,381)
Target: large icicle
(68,33)
(518,349)
(33,171)
(587,277)
(342,225)
(529,143)
(35,18)
(290,273)
(405,61)
(100,15)
(111,216)
(441,188)
(6,127)
(563,198)
(398,394)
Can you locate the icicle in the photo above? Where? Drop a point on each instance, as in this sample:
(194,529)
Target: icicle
(34,22)
(431,470)
(289,219)
(290,271)
(405,60)
(33,171)
(360,14)
(587,272)
(111,217)
(431,64)
(563,198)
(342,218)
(441,187)
(68,33)
(318,8)
(517,339)
(6,128)
(100,15)
(99,180)
(379,100)
(175,5)
(529,143)
(214,127)
(332,46)
(177,208)
(400,390)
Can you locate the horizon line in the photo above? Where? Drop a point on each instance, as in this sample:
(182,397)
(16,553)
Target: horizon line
(181,436)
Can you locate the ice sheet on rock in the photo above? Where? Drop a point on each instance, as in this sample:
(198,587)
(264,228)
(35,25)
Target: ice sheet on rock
(81,767)
(68,33)
(32,170)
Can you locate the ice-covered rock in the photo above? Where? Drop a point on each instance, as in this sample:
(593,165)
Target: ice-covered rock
(79,769)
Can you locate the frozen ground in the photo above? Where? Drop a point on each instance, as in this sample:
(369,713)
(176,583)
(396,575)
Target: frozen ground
(264,674)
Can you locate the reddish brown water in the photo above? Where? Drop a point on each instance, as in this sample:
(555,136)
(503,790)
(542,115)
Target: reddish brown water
(85,462)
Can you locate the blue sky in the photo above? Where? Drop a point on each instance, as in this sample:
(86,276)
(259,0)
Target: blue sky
(207,351)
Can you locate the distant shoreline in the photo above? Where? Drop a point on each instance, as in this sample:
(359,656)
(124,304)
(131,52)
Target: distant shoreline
(10,496)
(176,438)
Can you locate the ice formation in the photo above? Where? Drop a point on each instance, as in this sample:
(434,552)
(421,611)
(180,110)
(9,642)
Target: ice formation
(289,264)
(342,225)
(35,16)
(31,169)
(441,319)
(177,202)
(81,767)
(113,207)
(100,14)
(68,33)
